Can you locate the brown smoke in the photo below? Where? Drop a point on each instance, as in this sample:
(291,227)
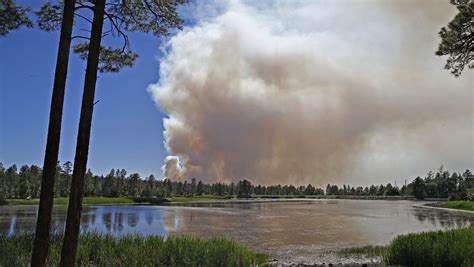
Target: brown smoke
(314,92)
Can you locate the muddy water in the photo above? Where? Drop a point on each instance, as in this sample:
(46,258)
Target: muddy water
(289,231)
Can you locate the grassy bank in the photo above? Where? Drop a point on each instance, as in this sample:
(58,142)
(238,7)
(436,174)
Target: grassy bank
(105,250)
(194,199)
(121,200)
(460,205)
(448,248)
(86,201)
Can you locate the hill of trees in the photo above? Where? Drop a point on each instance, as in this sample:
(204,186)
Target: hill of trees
(25,182)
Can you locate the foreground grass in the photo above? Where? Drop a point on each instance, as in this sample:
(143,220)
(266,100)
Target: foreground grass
(460,205)
(135,250)
(85,201)
(450,248)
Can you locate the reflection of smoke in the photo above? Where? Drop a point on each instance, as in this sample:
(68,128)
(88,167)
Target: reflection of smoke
(291,93)
(172,221)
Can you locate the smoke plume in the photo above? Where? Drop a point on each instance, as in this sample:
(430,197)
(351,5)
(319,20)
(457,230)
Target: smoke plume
(313,92)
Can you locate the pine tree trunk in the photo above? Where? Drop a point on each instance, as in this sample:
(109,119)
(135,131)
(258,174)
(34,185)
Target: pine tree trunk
(71,236)
(41,243)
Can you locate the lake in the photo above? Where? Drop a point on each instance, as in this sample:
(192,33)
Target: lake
(299,231)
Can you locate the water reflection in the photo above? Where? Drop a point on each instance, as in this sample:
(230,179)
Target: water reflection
(149,217)
(286,230)
(442,218)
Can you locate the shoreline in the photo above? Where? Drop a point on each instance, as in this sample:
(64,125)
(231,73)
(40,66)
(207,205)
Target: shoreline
(429,206)
(104,201)
(220,201)
(267,200)
(181,201)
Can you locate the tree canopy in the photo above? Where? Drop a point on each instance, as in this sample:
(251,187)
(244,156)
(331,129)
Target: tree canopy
(457,39)
(121,18)
(12,17)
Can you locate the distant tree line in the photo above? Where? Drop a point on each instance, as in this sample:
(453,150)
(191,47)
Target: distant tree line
(25,183)
(442,184)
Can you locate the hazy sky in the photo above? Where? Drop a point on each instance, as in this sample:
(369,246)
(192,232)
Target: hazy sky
(276,92)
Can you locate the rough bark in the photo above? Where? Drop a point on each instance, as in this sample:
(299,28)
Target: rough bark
(71,236)
(41,242)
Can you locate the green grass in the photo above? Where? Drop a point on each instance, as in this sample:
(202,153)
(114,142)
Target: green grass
(135,250)
(461,205)
(65,201)
(449,248)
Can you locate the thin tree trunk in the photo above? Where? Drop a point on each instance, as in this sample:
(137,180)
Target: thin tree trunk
(41,243)
(71,236)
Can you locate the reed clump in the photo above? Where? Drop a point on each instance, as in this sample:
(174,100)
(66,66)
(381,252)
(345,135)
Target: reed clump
(135,250)
(442,248)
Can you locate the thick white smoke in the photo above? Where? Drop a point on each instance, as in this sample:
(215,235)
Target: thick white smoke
(314,92)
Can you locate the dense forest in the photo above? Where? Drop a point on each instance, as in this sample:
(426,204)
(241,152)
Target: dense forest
(25,183)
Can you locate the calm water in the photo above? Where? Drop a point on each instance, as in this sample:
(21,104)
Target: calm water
(295,231)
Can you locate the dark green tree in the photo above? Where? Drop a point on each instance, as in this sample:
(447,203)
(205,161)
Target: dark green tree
(134,185)
(469,178)
(11,179)
(244,188)
(419,188)
(3,185)
(193,186)
(391,190)
(457,38)
(200,188)
(23,190)
(150,186)
(64,179)
(309,190)
(89,189)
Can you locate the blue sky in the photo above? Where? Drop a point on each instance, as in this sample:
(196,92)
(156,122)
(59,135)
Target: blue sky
(127,129)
